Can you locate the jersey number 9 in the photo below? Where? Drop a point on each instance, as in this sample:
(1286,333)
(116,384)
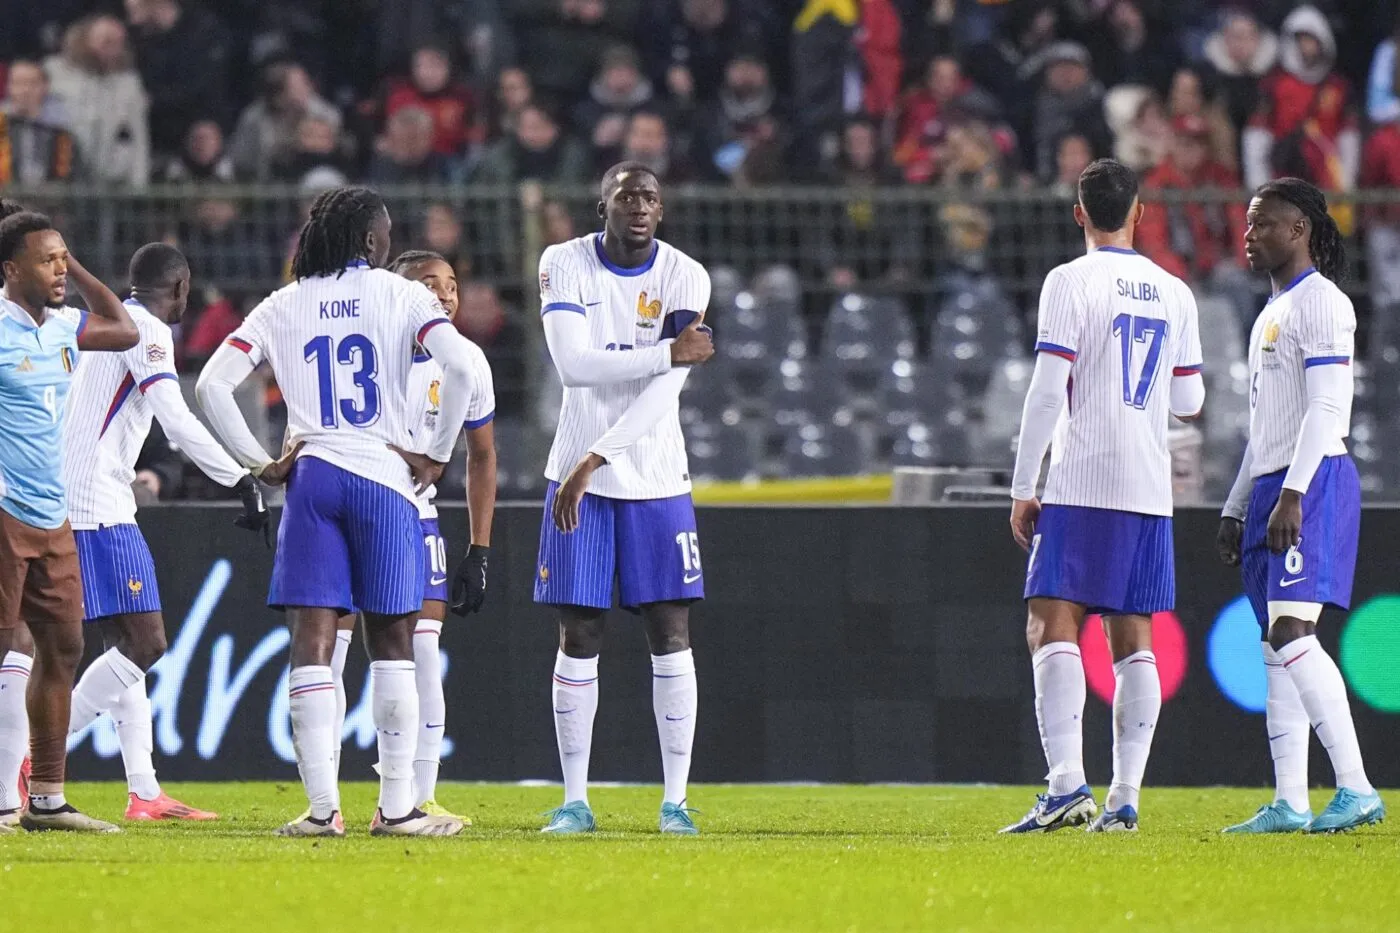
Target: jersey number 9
(357,351)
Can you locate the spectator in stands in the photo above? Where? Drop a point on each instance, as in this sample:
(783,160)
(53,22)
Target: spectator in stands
(1241,53)
(923,118)
(1073,154)
(1381,169)
(1140,126)
(442,233)
(203,158)
(432,87)
(744,115)
(102,95)
(693,40)
(228,250)
(318,146)
(567,39)
(1192,240)
(269,125)
(34,146)
(879,43)
(1382,87)
(1010,64)
(1131,50)
(1070,100)
(405,156)
(483,320)
(1306,123)
(861,162)
(537,150)
(970,158)
(1192,94)
(618,91)
(648,141)
(209,328)
(513,92)
(184,54)
(558,225)
(824,75)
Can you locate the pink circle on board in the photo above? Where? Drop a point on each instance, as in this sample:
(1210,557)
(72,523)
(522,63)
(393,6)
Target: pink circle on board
(1168,644)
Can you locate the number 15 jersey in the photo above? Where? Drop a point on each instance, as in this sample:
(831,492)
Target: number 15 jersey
(1127,326)
(341,348)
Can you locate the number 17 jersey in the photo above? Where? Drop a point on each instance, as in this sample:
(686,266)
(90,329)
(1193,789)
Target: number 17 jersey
(341,348)
(1127,326)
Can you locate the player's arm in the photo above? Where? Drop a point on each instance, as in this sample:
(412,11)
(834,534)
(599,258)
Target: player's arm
(1188,389)
(1060,319)
(106,326)
(469,581)
(1230,535)
(1326,335)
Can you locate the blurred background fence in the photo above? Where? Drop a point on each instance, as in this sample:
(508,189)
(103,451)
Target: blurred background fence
(858,329)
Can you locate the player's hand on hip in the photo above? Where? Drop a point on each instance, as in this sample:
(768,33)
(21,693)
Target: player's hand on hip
(1228,539)
(1024,514)
(426,471)
(469,582)
(693,346)
(254,517)
(277,472)
(1286,521)
(568,498)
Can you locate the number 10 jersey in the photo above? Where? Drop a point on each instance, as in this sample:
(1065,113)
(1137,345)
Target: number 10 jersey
(341,348)
(1128,327)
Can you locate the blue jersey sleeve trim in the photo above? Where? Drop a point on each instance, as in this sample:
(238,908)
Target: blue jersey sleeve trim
(480,422)
(1186,370)
(1046,346)
(1326,361)
(82,323)
(152,380)
(563,306)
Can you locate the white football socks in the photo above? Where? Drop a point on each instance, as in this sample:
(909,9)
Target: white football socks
(1288,731)
(98,689)
(674,699)
(14,725)
(1137,701)
(132,716)
(395,710)
(1324,696)
(575,704)
(432,709)
(1059,709)
(339,653)
(312,695)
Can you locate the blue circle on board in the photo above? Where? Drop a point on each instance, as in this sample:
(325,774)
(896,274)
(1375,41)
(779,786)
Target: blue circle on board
(1236,662)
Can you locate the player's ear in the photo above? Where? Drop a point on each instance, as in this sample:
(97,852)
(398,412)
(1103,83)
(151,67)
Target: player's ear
(602,210)
(1138,210)
(1079,216)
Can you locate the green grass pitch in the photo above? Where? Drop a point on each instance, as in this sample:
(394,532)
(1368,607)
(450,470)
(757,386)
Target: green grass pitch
(789,858)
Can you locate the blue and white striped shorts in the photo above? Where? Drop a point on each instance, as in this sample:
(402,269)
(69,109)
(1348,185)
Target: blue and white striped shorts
(119,576)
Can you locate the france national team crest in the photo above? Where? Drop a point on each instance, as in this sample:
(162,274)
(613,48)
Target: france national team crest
(1320,568)
(647,311)
(648,547)
(119,576)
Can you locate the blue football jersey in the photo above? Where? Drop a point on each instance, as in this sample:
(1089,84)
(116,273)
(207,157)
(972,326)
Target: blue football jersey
(36,366)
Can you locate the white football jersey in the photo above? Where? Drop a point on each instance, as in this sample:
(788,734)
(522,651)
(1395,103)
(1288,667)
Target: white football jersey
(425,385)
(1309,323)
(341,348)
(1128,326)
(108,420)
(625,309)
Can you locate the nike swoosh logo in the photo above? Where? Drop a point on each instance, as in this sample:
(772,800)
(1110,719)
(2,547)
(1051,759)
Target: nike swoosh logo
(437,581)
(428,725)
(1286,583)
(565,712)
(591,304)
(670,718)
(691,578)
(1275,738)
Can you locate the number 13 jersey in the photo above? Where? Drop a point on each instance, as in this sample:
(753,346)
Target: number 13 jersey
(1127,326)
(341,349)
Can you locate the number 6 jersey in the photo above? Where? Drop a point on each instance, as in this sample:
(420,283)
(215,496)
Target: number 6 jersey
(1128,327)
(341,348)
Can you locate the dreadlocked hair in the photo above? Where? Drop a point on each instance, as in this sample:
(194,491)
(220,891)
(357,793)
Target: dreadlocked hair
(414,257)
(1325,246)
(337,232)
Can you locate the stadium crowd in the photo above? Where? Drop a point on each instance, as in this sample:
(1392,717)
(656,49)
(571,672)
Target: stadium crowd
(960,97)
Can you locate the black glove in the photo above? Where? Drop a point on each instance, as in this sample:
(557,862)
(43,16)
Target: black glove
(469,582)
(254,517)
